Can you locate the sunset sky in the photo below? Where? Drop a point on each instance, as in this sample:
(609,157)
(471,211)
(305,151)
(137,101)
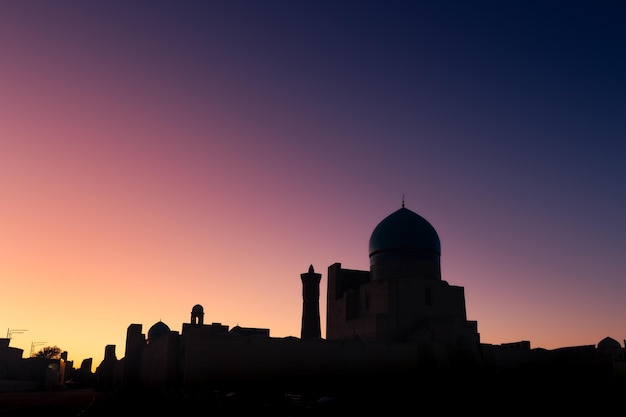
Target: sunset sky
(155,155)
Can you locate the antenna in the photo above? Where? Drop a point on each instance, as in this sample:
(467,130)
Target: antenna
(32,346)
(402,200)
(10,332)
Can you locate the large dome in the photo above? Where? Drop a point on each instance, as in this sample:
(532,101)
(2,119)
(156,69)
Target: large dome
(404,244)
(404,229)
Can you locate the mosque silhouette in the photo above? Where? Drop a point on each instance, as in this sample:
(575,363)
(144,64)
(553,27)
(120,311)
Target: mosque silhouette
(399,320)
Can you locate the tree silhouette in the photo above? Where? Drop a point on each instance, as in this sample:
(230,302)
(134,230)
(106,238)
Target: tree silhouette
(49,352)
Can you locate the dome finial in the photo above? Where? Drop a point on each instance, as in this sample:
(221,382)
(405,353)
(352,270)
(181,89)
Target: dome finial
(402,200)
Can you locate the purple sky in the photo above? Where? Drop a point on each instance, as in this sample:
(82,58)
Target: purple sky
(155,155)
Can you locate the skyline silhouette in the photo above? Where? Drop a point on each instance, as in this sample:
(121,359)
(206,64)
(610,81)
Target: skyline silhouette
(156,155)
(398,320)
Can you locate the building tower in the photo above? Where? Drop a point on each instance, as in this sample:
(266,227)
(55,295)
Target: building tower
(197,315)
(310,305)
(135,341)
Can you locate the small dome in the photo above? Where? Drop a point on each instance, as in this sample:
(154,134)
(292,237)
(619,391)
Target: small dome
(157,330)
(404,229)
(197,309)
(609,343)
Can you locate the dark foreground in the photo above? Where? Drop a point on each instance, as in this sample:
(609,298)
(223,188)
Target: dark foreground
(93,402)
(408,398)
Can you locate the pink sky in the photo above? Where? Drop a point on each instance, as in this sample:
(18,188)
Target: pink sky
(155,156)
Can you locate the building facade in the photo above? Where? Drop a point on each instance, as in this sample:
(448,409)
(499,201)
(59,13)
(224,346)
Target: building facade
(402,298)
(391,323)
(399,317)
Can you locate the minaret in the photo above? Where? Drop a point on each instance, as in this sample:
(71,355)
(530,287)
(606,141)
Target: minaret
(311,305)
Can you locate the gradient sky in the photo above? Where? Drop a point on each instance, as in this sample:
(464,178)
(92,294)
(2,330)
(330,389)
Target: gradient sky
(155,155)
